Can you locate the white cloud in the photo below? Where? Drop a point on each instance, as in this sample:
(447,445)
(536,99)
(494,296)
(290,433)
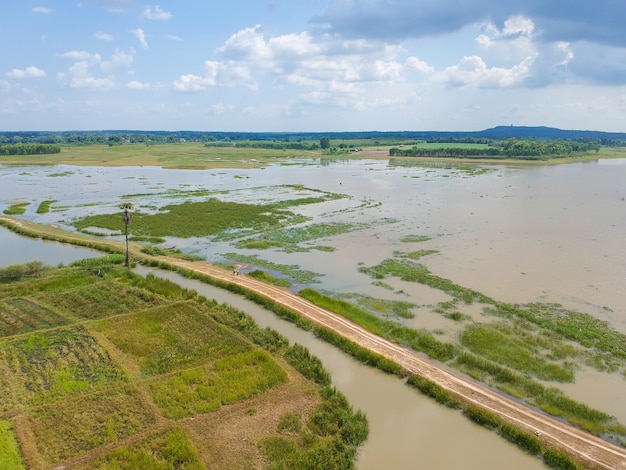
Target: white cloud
(472,71)
(135,85)
(103,36)
(215,74)
(28,72)
(118,59)
(81,55)
(80,77)
(43,10)
(413,64)
(173,37)
(141,36)
(155,14)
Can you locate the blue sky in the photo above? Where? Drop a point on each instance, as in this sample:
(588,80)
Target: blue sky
(312,65)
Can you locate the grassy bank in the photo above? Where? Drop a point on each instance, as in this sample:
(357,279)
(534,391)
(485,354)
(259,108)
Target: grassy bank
(113,370)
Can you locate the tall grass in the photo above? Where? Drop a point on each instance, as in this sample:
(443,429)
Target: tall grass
(10,455)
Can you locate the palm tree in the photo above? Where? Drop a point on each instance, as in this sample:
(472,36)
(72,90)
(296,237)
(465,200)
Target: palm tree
(126,207)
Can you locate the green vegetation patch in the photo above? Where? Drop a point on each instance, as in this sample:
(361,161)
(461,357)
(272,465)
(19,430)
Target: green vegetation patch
(408,270)
(290,238)
(269,279)
(597,335)
(415,239)
(68,428)
(10,455)
(519,350)
(16,272)
(171,449)
(44,206)
(228,380)
(328,440)
(419,340)
(300,276)
(58,363)
(174,336)
(19,315)
(431,389)
(38,280)
(194,219)
(19,208)
(384,307)
(100,299)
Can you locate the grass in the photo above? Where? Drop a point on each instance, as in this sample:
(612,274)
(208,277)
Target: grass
(44,206)
(10,455)
(269,279)
(517,350)
(18,208)
(59,363)
(68,428)
(171,337)
(229,380)
(163,451)
(117,379)
(298,275)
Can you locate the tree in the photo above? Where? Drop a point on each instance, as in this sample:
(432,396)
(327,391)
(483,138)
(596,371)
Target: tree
(126,207)
(325,143)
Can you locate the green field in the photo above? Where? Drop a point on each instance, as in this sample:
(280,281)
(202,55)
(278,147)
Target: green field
(98,367)
(199,155)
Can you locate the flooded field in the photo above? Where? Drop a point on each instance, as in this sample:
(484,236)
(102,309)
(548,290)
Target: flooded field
(553,234)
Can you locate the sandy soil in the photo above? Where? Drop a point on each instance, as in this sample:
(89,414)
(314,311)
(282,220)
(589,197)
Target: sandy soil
(586,448)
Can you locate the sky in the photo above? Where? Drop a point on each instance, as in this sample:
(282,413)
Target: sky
(312,65)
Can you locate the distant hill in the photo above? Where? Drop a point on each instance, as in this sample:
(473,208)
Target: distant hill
(547,133)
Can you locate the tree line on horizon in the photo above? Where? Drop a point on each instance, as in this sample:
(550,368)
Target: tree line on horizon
(510,148)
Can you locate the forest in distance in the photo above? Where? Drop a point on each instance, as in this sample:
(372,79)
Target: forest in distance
(70,137)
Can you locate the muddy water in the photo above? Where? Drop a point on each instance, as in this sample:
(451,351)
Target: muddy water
(517,234)
(407,430)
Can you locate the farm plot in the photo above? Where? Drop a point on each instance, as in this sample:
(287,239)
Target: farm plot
(100,300)
(166,449)
(229,380)
(70,427)
(57,363)
(171,337)
(20,315)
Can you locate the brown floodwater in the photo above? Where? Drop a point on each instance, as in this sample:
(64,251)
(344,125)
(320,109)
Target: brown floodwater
(407,430)
(518,234)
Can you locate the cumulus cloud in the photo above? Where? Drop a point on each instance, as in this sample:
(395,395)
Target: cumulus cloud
(135,85)
(103,36)
(215,74)
(43,10)
(79,76)
(28,72)
(118,59)
(155,13)
(472,71)
(141,37)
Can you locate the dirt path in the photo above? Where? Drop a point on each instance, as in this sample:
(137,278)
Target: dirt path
(591,450)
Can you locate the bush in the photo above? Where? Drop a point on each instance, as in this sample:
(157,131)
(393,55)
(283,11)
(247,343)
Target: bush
(559,460)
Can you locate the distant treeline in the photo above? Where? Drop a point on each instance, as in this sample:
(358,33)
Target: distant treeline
(510,148)
(296,140)
(29,149)
(272,145)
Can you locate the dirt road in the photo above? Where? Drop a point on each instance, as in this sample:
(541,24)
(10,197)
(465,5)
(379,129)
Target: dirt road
(591,450)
